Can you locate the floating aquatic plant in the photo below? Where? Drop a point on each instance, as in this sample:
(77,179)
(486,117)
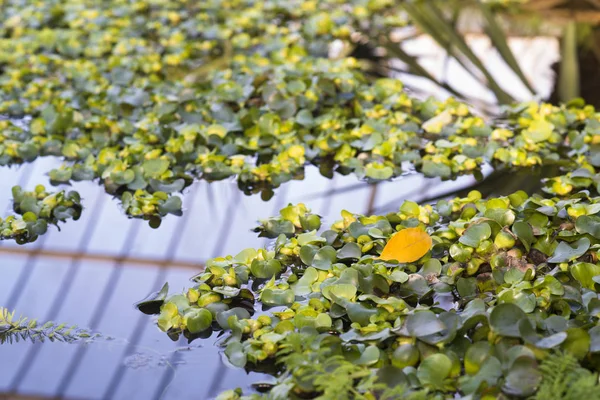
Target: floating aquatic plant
(36,210)
(18,329)
(145,97)
(486,291)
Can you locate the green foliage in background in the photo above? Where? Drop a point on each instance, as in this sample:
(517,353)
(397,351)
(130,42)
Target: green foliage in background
(145,97)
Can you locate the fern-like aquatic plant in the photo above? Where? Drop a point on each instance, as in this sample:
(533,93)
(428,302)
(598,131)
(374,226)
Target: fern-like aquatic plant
(563,378)
(14,329)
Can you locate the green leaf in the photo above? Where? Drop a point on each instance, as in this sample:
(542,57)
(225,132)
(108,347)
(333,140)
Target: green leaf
(235,354)
(350,250)
(339,290)
(265,269)
(525,233)
(588,224)
(303,286)
(568,252)
(424,323)
(434,369)
(540,130)
(369,356)
(324,257)
(475,234)
(523,378)
(504,319)
(584,273)
(359,313)
(277,297)
(151,304)
(578,342)
(155,168)
(198,320)
(223,316)
(488,374)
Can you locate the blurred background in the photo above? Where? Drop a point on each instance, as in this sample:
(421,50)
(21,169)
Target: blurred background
(93,271)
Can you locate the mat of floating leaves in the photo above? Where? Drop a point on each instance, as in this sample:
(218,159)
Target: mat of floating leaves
(495,288)
(145,98)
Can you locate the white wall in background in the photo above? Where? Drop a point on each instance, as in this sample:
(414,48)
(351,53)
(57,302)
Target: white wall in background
(534,54)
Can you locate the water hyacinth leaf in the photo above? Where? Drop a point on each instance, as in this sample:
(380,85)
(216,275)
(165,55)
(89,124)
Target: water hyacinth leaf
(169,316)
(273,228)
(303,286)
(265,269)
(466,287)
(398,276)
(594,339)
(524,232)
(310,237)
(539,130)
(151,304)
(588,224)
(223,317)
(176,186)
(324,257)
(406,246)
(578,342)
(525,301)
(523,378)
(350,250)
(567,252)
(475,234)
(369,356)
(585,273)
(156,167)
(432,169)
(424,323)
(434,369)
(246,256)
(198,320)
(405,355)
(529,335)
(235,354)
(359,313)
(487,374)
(431,267)
(228,291)
(277,297)
(504,319)
(339,290)
(171,206)
(307,253)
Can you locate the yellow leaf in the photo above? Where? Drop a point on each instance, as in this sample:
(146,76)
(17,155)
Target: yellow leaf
(406,246)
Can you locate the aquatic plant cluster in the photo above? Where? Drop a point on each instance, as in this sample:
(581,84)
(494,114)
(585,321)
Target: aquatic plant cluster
(145,97)
(505,283)
(482,298)
(36,210)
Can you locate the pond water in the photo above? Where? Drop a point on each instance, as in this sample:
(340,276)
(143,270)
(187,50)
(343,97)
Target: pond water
(94,270)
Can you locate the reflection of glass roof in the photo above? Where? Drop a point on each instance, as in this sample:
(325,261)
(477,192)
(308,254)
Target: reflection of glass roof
(94,270)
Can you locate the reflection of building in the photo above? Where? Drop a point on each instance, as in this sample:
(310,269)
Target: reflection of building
(94,270)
